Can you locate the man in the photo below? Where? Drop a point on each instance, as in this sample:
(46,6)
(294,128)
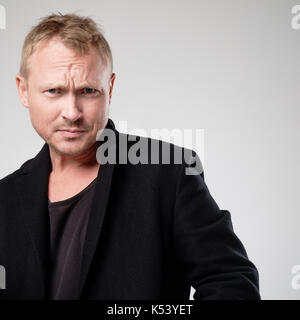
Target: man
(75,226)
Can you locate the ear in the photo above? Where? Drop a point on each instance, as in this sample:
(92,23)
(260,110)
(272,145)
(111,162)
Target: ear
(111,85)
(23,90)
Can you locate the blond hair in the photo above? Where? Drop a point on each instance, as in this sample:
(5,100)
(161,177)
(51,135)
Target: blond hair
(76,32)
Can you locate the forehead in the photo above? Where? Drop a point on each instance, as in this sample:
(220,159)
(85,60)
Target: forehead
(53,61)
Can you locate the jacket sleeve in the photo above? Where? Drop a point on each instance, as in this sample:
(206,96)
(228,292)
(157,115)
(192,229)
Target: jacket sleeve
(213,257)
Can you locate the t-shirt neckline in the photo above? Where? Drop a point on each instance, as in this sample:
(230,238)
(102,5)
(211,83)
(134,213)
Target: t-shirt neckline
(71,199)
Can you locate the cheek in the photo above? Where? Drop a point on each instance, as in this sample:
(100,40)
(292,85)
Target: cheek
(41,111)
(95,110)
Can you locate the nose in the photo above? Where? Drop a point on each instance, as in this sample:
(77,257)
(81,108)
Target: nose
(70,109)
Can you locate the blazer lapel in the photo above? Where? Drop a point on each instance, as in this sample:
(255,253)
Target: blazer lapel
(97,213)
(32,190)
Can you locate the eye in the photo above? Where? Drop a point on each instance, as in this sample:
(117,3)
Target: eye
(52,91)
(89,91)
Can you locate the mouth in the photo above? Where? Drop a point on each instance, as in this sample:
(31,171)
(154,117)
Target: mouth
(74,133)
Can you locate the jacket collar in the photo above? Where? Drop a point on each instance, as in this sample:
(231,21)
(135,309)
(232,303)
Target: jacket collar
(32,190)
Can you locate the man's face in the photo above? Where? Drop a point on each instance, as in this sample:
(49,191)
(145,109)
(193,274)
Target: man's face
(68,96)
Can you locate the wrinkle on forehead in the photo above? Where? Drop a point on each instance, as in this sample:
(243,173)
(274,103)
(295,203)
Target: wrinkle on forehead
(55,62)
(74,74)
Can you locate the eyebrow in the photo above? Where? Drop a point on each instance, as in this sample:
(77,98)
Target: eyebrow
(52,85)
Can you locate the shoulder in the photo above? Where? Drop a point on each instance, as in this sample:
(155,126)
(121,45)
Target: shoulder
(165,153)
(9,179)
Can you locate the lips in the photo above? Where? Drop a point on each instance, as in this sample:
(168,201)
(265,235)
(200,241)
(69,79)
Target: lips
(72,130)
(71,133)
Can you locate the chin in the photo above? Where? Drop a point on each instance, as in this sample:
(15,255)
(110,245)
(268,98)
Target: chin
(71,148)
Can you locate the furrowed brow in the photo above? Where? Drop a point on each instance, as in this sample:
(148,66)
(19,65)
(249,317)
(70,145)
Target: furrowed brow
(52,85)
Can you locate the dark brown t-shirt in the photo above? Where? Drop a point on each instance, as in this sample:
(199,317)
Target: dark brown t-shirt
(68,224)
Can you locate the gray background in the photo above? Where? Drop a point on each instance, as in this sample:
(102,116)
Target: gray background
(228,67)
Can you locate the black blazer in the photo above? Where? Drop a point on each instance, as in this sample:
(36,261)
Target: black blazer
(153,231)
